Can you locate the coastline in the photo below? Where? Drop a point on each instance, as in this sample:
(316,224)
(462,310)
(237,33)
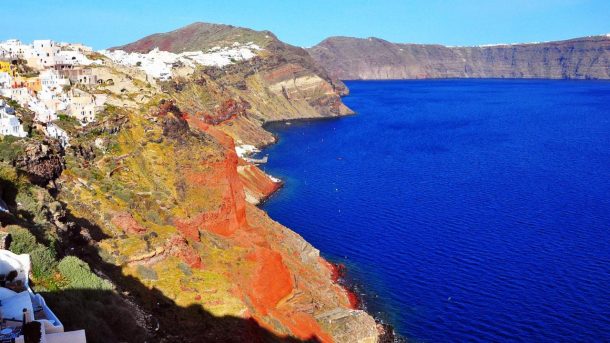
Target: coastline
(268,126)
(339,271)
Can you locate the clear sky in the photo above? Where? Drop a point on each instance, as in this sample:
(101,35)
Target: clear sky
(105,23)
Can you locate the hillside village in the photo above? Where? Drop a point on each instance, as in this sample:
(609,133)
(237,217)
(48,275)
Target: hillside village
(58,80)
(159,64)
(50,79)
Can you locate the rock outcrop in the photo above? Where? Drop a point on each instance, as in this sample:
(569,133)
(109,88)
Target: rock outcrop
(41,161)
(376,59)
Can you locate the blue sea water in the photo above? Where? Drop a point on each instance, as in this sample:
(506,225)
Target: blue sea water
(468,210)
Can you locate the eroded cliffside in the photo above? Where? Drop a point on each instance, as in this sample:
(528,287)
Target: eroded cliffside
(171,205)
(376,59)
(155,199)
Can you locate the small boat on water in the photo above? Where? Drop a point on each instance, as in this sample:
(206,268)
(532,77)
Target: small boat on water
(263,160)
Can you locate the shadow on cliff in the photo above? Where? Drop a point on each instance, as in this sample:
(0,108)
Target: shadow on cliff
(109,316)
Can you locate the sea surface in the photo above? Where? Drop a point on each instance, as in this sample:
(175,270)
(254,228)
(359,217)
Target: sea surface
(464,210)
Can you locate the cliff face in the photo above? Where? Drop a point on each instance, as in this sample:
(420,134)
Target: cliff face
(353,58)
(171,206)
(155,199)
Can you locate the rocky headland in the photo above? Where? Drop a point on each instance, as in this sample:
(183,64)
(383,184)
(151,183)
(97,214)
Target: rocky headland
(376,59)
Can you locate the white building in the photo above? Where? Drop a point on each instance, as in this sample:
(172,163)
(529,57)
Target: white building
(14,48)
(22,95)
(9,123)
(5,80)
(159,64)
(56,132)
(4,54)
(72,57)
(21,306)
(44,112)
(43,54)
(52,81)
(84,106)
(46,53)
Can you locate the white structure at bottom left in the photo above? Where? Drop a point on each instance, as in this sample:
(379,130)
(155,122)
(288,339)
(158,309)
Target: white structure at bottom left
(24,313)
(9,123)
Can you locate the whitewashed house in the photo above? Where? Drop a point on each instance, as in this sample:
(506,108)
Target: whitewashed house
(52,81)
(84,106)
(72,57)
(14,49)
(9,123)
(56,132)
(22,95)
(5,80)
(158,64)
(4,54)
(44,113)
(43,54)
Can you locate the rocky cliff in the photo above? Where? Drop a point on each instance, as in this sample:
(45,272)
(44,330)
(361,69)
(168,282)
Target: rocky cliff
(377,59)
(282,82)
(145,223)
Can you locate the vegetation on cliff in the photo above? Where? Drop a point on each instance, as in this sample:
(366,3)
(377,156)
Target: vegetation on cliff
(143,229)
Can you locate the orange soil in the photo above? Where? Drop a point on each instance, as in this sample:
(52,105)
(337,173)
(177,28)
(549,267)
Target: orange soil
(127,223)
(271,281)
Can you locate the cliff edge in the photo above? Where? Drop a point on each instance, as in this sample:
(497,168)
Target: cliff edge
(376,59)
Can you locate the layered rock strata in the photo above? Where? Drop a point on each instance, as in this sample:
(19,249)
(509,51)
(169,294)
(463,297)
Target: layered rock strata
(376,59)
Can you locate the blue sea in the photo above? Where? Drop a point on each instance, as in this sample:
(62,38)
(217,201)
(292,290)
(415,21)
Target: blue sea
(464,210)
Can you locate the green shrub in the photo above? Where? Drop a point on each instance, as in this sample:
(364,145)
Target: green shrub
(9,149)
(185,269)
(7,172)
(147,273)
(44,261)
(79,275)
(123,194)
(13,103)
(23,242)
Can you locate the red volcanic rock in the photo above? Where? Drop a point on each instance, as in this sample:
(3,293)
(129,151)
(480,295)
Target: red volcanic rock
(284,72)
(256,182)
(231,215)
(354,300)
(271,281)
(224,221)
(188,228)
(305,327)
(337,271)
(179,247)
(127,223)
(166,106)
(229,109)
